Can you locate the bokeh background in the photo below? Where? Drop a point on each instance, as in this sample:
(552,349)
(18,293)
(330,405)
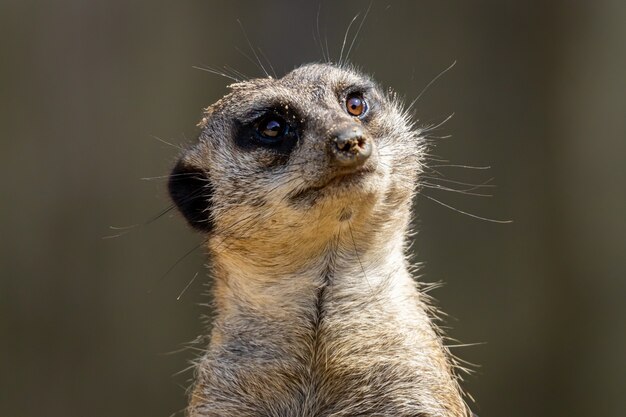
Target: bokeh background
(93,326)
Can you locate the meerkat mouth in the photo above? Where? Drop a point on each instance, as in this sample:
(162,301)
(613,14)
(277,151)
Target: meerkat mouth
(340,182)
(348,178)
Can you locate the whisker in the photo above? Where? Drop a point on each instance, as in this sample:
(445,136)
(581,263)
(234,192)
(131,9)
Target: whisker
(245,34)
(186,286)
(268,62)
(179,147)
(438,125)
(171,268)
(429,137)
(345,38)
(442,188)
(129,228)
(327,47)
(474,186)
(466,345)
(429,84)
(161,177)
(460,166)
(319,36)
(356,35)
(216,72)
(465,212)
(238,73)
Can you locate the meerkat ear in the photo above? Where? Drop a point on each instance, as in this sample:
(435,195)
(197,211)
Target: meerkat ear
(192,192)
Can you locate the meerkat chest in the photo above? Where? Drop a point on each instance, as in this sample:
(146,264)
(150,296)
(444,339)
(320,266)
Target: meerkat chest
(342,357)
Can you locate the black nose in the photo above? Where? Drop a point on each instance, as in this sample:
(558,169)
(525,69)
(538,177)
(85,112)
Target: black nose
(349,147)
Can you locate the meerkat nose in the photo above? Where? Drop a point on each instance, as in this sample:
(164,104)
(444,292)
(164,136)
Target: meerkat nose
(349,147)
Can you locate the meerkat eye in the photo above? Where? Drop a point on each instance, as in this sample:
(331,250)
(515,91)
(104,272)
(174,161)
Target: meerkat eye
(356,105)
(272,128)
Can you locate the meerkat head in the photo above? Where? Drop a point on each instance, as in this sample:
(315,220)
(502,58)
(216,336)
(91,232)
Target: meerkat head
(321,146)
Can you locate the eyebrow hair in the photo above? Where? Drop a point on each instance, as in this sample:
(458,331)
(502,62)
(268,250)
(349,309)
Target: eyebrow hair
(360,85)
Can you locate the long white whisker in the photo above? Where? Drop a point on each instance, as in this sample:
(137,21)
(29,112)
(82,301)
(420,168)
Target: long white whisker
(429,84)
(345,38)
(245,34)
(216,72)
(356,35)
(466,213)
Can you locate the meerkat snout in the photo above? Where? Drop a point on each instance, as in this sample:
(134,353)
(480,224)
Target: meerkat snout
(349,147)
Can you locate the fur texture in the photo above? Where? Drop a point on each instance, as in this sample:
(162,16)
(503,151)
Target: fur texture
(316,314)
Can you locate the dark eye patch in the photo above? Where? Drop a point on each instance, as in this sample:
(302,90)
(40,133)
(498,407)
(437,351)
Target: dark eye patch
(276,130)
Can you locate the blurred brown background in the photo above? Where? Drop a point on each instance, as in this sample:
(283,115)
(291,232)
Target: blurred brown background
(89,328)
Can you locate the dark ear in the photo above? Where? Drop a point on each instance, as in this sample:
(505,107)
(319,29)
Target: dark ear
(192,192)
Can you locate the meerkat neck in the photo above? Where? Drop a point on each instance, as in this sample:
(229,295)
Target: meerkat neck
(357,279)
(354,262)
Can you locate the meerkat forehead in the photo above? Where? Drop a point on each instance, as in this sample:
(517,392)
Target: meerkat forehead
(304,88)
(332,78)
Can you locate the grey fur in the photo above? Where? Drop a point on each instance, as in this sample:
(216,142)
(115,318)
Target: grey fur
(316,314)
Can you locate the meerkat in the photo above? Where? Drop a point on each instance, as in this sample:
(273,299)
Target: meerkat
(303,186)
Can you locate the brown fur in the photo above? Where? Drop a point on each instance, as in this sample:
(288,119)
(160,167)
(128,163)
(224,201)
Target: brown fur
(316,314)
